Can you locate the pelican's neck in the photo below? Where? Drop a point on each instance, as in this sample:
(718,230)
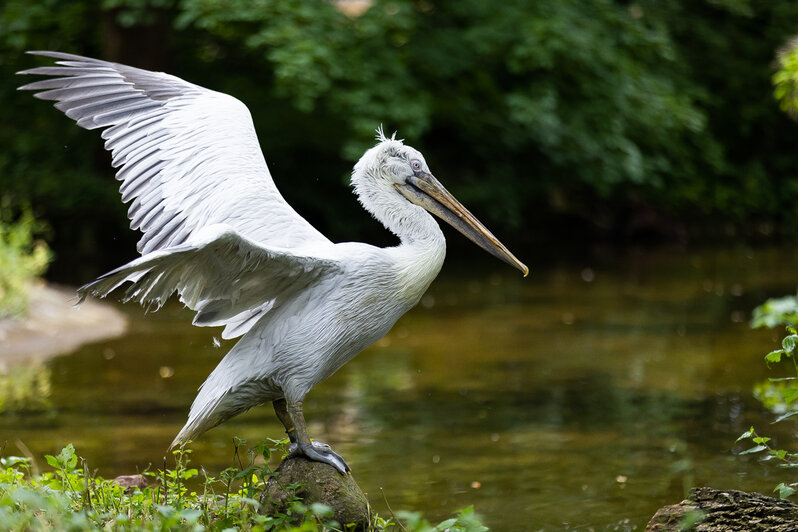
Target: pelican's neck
(423,247)
(414,226)
(419,257)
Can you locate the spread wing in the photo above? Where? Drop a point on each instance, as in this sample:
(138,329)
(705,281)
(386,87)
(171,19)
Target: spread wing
(188,157)
(227,278)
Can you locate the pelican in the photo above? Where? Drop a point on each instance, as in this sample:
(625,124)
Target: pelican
(216,230)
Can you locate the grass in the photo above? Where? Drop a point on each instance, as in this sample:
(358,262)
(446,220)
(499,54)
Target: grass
(68,496)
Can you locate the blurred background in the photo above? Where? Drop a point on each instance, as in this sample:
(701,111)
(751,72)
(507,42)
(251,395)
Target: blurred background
(555,122)
(632,153)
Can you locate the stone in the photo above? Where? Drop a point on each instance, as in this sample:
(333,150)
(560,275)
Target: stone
(131,482)
(320,483)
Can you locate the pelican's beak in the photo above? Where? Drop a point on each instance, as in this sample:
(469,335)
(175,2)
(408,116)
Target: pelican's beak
(427,192)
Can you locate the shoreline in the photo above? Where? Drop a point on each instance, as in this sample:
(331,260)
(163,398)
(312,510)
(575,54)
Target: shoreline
(54,326)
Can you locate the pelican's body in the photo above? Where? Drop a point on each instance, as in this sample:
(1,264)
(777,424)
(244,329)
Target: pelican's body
(217,232)
(308,339)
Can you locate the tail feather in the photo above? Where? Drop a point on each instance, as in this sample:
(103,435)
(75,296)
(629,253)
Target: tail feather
(201,419)
(221,398)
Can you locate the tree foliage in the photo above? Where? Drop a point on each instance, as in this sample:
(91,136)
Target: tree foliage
(530,111)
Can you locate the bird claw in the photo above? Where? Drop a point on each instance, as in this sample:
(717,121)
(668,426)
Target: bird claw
(319,452)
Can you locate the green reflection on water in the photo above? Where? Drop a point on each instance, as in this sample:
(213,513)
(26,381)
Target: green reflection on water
(587,395)
(25,388)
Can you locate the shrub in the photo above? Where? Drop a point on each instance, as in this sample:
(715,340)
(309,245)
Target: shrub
(22,258)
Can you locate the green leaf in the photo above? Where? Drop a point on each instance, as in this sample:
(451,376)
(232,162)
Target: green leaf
(166,511)
(51,461)
(774,312)
(321,509)
(789,343)
(774,356)
(745,435)
(11,461)
(790,395)
(761,439)
(785,416)
(779,453)
(754,449)
(66,458)
(250,501)
(191,515)
(784,490)
(443,525)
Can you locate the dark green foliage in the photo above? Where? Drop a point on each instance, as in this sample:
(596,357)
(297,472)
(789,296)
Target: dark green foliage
(529,111)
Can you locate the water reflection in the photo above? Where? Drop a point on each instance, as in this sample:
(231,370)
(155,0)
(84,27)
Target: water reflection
(25,388)
(585,396)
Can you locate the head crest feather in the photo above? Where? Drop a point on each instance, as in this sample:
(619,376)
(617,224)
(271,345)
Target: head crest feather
(380,136)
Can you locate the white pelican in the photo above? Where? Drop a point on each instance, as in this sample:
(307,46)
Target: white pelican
(217,232)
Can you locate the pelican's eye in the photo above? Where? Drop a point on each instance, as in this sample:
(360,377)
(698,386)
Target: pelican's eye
(415,164)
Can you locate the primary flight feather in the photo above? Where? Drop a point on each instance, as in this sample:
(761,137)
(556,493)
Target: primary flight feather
(216,230)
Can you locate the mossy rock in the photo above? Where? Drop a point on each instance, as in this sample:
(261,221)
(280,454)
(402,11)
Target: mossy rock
(319,483)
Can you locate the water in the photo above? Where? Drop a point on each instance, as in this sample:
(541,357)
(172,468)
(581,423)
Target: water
(584,397)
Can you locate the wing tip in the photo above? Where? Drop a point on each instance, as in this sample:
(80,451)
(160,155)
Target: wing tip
(61,55)
(58,55)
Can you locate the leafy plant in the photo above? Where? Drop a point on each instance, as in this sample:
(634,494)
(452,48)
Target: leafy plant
(775,312)
(779,395)
(70,497)
(22,257)
(785,80)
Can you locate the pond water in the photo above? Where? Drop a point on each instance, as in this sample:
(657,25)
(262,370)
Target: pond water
(581,398)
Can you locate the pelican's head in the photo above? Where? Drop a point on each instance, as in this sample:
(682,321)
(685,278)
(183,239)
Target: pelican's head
(391,173)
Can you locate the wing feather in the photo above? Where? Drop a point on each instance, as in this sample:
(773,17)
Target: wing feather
(225,277)
(187,157)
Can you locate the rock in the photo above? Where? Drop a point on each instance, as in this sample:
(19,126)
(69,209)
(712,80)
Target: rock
(319,483)
(726,511)
(131,482)
(55,326)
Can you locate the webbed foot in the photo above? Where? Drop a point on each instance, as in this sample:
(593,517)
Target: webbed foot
(290,414)
(319,452)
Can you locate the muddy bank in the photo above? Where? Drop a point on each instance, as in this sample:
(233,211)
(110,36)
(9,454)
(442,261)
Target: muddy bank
(54,326)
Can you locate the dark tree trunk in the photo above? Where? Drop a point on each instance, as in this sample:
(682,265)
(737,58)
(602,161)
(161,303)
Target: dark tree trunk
(144,44)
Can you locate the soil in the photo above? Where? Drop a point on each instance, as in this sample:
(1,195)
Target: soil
(55,326)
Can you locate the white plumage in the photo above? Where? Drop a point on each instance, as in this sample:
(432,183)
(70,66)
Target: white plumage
(217,231)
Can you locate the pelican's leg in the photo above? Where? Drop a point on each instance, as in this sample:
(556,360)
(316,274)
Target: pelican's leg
(294,422)
(282,414)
